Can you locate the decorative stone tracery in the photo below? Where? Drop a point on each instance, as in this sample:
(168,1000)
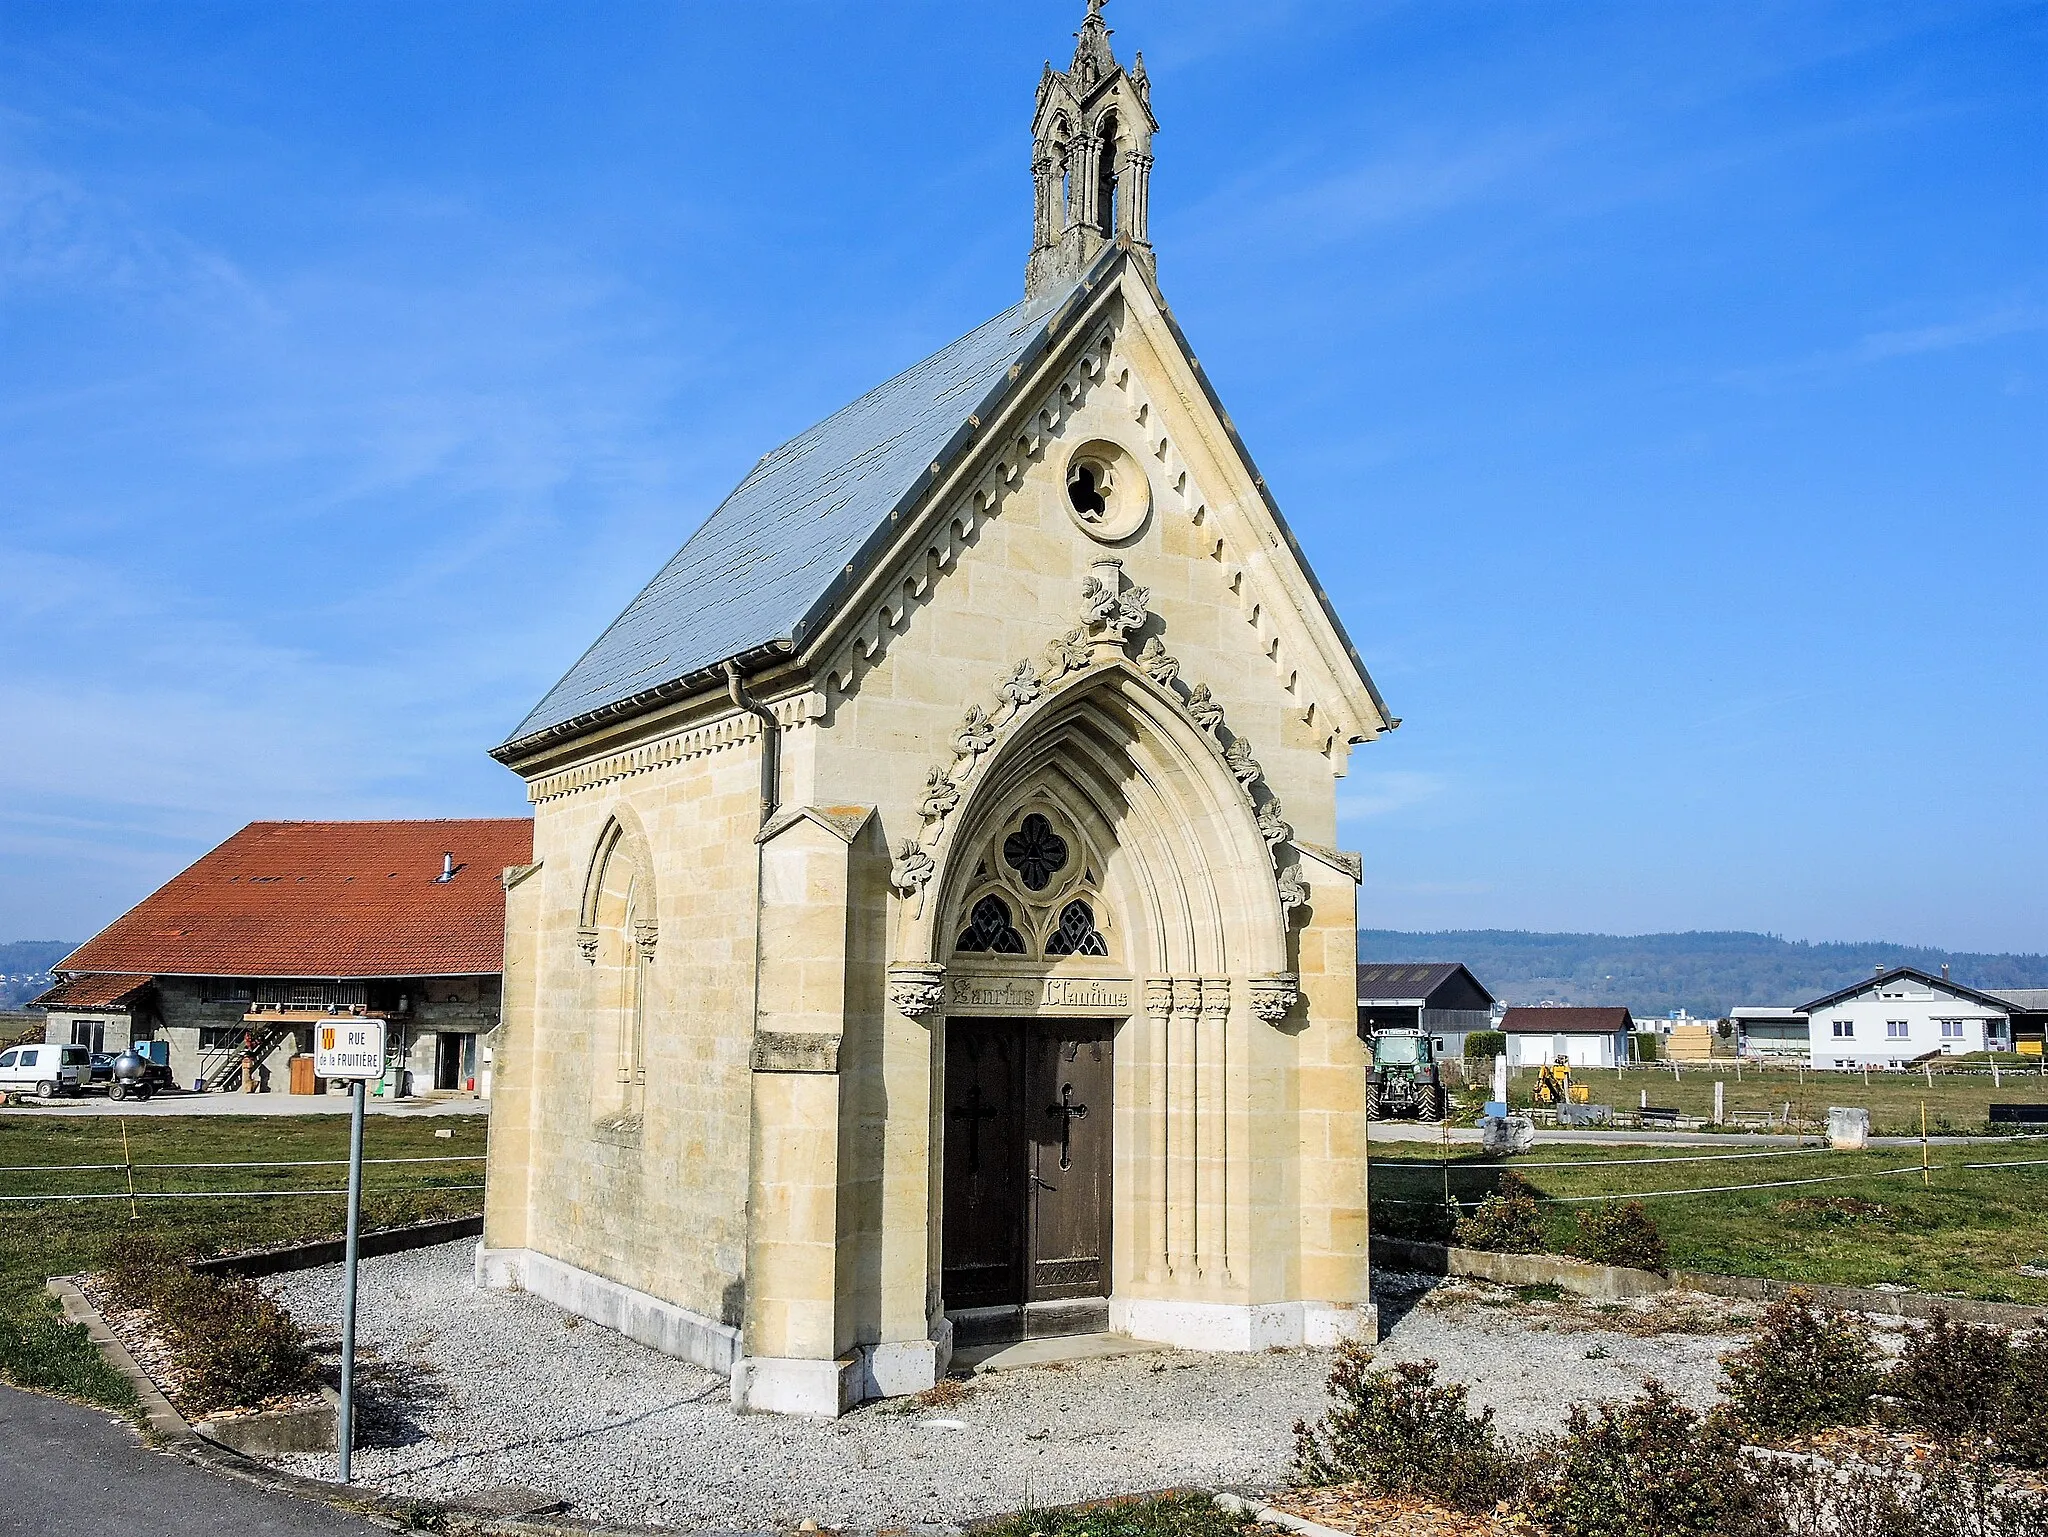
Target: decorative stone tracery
(1110,613)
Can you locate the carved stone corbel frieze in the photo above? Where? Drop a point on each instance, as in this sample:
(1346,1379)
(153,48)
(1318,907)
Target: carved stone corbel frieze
(1158,997)
(977,734)
(1272,826)
(1238,755)
(1018,690)
(586,945)
(1156,664)
(1187,995)
(1109,609)
(913,872)
(1293,890)
(1204,710)
(941,796)
(917,991)
(1215,997)
(646,935)
(1274,997)
(1070,653)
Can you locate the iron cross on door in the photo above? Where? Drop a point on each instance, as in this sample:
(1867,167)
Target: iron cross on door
(1068,1113)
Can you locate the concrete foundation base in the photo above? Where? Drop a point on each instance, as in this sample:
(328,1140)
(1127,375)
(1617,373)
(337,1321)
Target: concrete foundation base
(768,1385)
(674,1331)
(1224,1326)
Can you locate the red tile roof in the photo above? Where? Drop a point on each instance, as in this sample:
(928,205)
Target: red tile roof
(104,990)
(1541,1021)
(325,899)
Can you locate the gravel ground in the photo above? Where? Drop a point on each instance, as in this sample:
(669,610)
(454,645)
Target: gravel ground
(472,1391)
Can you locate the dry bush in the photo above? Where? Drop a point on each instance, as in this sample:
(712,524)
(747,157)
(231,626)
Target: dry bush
(1650,1468)
(1953,1378)
(1625,1235)
(1808,1368)
(1401,1432)
(1507,1222)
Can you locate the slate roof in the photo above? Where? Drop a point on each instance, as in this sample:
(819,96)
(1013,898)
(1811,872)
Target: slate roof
(1542,1021)
(107,990)
(2028,1000)
(324,900)
(1409,983)
(773,551)
(1903,973)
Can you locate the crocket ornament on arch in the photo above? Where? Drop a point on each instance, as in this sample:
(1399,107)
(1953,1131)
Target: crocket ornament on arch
(1117,739)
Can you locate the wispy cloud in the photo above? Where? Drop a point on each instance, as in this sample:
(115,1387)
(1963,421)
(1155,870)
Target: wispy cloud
(1991,324)
(1387,792)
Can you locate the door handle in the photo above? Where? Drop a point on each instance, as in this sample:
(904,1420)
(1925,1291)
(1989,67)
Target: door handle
(1042,1185)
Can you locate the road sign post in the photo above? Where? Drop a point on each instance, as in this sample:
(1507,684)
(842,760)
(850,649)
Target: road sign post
(351,1049)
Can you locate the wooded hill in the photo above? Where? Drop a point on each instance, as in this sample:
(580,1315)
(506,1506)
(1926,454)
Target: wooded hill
(1705,973)
(25,966)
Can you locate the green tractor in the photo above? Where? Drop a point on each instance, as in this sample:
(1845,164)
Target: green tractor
(1405,1077)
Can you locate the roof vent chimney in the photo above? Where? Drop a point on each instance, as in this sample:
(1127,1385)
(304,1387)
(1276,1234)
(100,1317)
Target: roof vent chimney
(447,870)
(1944,971)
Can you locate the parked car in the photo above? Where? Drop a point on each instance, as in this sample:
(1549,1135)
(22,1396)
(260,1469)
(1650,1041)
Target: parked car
(102,1066)
(46,1071)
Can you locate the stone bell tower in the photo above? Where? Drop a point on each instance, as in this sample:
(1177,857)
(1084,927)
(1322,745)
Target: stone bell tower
(1091,161)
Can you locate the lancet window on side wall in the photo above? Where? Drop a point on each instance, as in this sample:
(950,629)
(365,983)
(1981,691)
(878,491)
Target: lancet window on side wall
(619,938)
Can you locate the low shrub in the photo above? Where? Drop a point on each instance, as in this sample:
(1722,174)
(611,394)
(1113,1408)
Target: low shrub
(1650,1468)
(1806,1369)
(1485,1045)
(2023,1422)
(1507,1222)
(1888,1494)
(233,1345)
(1417,1221)
(1401,1432)
(1623,1234)
(1953,1378)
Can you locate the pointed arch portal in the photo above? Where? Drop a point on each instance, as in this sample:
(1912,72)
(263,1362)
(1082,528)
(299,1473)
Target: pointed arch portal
(1100,896)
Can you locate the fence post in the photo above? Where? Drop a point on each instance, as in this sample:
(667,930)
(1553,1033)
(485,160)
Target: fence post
(1720,1100)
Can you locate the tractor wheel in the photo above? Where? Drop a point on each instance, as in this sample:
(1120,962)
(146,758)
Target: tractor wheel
(1372,1102)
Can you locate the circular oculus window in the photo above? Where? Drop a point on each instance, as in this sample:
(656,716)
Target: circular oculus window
(1108,492)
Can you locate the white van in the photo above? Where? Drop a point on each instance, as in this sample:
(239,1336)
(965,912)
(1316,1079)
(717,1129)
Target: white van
(46,1071)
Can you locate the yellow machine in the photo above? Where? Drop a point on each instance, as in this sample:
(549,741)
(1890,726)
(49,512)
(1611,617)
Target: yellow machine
(1554,1083)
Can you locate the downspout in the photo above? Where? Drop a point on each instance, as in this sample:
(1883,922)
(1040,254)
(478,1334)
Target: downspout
(771,785)
(771,739)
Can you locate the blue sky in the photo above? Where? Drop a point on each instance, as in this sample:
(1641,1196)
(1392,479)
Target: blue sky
(1658,388)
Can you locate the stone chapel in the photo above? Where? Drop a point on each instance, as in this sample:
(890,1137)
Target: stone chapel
(935,933)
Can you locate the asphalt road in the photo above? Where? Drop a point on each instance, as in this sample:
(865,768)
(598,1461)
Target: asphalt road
(72,1472)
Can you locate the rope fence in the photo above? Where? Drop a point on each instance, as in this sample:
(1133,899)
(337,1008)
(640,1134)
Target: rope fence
(230,1195)
(279,1163)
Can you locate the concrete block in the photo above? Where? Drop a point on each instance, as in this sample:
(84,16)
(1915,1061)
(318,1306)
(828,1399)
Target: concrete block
(772,1385)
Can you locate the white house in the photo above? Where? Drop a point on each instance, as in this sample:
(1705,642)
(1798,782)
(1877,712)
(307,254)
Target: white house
(1582,1037)
(1895,1017)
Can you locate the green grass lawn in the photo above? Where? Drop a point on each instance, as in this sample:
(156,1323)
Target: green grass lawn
(1956,1101)
(39,1239)
(1965,1232)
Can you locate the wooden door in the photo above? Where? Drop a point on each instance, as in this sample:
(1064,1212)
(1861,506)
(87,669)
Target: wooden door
(982,1240)
(1068,1121)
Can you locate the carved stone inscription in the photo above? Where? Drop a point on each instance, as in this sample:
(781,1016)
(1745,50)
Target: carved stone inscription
(983,993)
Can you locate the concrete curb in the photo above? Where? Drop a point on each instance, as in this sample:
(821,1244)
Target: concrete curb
(1612,1283)
(332,1251)
(1266,1515)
